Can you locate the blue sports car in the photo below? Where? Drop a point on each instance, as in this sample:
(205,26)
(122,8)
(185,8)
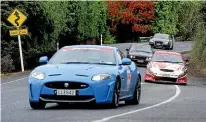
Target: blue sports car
(85,74)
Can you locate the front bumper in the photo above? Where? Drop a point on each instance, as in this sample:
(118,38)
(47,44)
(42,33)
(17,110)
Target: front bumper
(158,44)
(152,78)
(100,92)
(142,63)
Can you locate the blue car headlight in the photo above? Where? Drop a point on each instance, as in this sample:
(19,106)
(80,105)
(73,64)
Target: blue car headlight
(38,75)
(99,77)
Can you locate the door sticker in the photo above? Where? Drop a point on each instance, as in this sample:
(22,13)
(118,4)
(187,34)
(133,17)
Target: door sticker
(128,79)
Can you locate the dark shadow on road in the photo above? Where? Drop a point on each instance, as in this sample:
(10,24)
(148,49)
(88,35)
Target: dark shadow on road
(165,83)
(91,107)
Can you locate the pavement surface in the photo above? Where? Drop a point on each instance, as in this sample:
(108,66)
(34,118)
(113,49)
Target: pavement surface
(159,103)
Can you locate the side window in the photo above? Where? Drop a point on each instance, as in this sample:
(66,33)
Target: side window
(119,58)
(121,54)
(170,37)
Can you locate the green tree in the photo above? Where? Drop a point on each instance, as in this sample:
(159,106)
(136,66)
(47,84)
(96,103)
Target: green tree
(188,19)
(49,22)
(199,49)
(91,19)
(44,29)
(166,17)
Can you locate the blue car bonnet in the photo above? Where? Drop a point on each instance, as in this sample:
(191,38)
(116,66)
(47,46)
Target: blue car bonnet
(87,70)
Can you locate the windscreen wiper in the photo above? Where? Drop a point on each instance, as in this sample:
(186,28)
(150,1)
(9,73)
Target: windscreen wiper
(176,62)
(163,61)
(104,63)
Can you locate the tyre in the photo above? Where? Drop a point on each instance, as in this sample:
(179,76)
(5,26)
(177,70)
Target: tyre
(136,95)
(171,47)
(184,84)
(38,105)
(115,99)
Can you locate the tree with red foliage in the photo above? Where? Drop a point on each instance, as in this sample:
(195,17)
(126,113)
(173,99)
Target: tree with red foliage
(139,14)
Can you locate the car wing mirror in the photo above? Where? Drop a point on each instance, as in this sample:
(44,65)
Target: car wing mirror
(43,60)
(126,61)
(187,62)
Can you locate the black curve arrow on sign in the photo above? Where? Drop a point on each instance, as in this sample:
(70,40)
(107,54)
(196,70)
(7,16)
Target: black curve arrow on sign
(17,18)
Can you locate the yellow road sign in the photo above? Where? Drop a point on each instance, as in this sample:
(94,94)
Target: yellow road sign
(17,18)
(18,32)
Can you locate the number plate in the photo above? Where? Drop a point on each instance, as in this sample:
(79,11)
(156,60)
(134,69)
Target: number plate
(65,92)
(158,44)
(166,75)
(140,61)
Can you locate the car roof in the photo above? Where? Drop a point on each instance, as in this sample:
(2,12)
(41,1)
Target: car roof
(161,34)
(140,45)
(167,52)
(91,46)
(134,46)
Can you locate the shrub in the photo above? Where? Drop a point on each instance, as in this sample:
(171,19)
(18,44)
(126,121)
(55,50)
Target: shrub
(109,39)
(7,64)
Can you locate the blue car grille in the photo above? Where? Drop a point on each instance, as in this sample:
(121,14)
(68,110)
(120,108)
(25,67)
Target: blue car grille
(70,85)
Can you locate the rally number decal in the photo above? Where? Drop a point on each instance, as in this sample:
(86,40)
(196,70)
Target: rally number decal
(128,79)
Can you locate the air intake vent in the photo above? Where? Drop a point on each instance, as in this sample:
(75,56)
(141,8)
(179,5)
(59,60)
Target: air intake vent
(166,70)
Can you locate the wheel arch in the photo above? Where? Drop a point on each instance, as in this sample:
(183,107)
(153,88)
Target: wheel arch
(140,77)
(118,78)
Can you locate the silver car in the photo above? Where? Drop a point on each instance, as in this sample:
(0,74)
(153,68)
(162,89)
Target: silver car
(160,40)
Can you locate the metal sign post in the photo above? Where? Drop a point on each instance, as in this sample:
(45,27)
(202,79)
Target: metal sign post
(17,18)
(57,45)
(21,55)
(101,39)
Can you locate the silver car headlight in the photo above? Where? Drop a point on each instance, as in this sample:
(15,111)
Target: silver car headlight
(150,71)
(151,40)
(182,74)
(148,58)
(99,77)
(38,75)
(165,42)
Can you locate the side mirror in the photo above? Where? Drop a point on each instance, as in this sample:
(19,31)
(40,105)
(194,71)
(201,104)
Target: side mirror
(43,60)
(126,61)
(151,37)
(127,50)
(187,62)
(173,37)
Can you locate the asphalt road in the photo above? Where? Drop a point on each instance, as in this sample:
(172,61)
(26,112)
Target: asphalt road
(159,103)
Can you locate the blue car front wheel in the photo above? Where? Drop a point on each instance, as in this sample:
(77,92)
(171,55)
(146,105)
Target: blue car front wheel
(115,99)
(136,95)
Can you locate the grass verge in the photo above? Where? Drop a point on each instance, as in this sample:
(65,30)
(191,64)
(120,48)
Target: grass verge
(196,68)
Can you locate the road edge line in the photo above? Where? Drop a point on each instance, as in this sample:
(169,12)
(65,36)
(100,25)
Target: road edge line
(14,80)
(177,93)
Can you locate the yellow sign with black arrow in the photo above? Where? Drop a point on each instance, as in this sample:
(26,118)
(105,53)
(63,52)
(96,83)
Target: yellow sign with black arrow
(17,18)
